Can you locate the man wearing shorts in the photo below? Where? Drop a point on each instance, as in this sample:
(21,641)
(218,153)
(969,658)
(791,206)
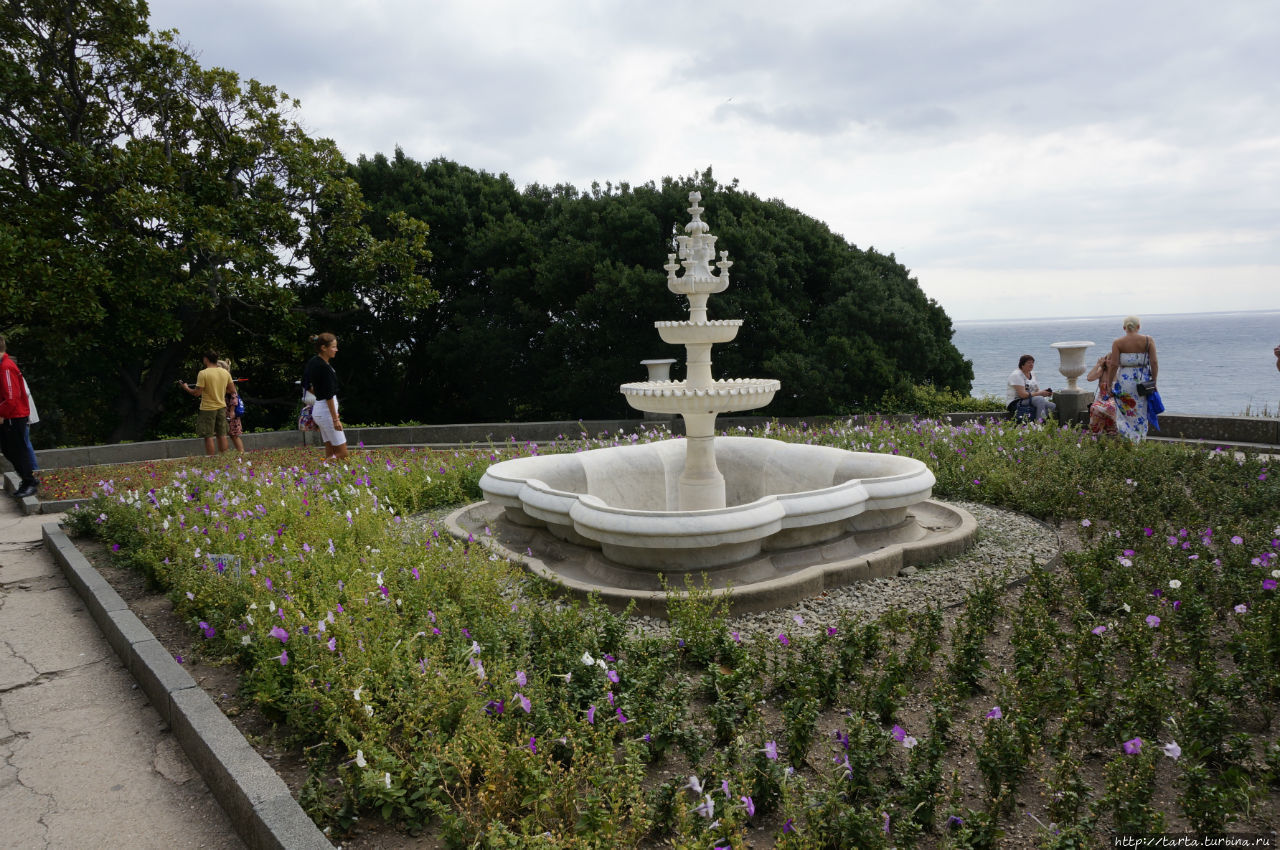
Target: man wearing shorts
(211,387)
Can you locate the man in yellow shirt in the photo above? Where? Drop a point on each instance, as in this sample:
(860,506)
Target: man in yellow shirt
(211,387)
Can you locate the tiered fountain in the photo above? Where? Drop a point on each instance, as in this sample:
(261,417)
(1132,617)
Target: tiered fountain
(699,398)
(765,521)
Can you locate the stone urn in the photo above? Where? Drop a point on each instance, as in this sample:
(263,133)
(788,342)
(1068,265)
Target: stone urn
(1071,357)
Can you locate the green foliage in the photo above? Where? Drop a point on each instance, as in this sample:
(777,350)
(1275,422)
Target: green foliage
(531,280)
(152,209)
(1161,629)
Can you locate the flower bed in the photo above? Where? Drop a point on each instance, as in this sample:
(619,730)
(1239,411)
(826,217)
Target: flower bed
(439,688)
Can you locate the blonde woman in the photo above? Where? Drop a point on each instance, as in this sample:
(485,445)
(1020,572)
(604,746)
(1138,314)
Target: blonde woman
(235,427)
(1134,356)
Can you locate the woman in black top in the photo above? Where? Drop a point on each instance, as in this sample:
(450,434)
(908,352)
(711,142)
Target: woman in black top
(320,378)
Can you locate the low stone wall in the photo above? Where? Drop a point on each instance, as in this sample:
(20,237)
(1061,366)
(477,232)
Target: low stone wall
(1228,430)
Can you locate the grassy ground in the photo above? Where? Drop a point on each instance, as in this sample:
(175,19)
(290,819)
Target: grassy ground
(1132,690)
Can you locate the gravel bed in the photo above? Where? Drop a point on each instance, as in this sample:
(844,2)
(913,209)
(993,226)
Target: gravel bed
(1008,543)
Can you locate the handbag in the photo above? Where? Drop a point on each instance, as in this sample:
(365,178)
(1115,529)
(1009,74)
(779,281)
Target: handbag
(1021,408)
(1145,388)
(305,420)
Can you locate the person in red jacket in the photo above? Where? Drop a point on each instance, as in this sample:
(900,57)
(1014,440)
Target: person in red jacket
(13,422)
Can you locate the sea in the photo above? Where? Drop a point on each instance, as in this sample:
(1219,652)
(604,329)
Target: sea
(1210,363)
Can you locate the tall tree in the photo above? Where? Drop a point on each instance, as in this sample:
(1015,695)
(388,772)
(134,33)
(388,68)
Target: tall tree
(548,298)
(150,208)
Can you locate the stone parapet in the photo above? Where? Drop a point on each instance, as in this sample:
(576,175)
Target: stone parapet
(1228,430)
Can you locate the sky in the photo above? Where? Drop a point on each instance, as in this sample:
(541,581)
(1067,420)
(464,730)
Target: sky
(1022,159)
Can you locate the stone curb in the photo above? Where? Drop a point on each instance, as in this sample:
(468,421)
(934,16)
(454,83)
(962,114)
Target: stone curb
(259,804)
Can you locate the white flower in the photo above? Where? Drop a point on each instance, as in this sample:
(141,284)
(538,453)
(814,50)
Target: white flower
(1126,607)
(1174,583)
(1172,750)
(356,693)
(360,762)
(244,640)
(909,742)
(368,709)
(1275,573)
(587,659)
(248,618)
(386,777)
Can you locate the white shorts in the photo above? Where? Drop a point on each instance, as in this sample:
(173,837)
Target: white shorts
(320,413)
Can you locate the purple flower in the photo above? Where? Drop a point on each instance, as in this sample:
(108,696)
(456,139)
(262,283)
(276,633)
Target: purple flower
(789,826)
(899,734)
(995,713)
(495,707)
(284,657)
(954,822)
(1132,746)
(1237,539)
(533,746)
(524,702)
(333,644)
(1268,584)
(749,806)
(209,631)
(1097,630)
(771,750)
(786,641)
(521,679)
(277,632)
(1172,750)
(612,675)
(707,808)
(591,715)
(1153,621)
(622,718)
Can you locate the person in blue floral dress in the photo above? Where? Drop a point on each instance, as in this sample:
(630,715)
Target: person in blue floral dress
(1135,354)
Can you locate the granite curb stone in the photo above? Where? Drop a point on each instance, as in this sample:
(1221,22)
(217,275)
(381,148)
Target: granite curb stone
(255,798)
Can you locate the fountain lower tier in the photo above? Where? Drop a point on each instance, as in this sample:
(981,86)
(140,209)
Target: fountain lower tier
(723,396)
(798,518)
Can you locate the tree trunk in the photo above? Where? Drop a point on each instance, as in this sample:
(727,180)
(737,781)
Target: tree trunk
(142,392)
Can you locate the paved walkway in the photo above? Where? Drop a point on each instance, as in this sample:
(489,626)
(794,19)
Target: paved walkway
(85,762)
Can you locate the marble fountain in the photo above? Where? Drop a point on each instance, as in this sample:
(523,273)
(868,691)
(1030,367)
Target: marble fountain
(764,521)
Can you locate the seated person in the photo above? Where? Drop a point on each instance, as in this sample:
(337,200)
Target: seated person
(1023,385)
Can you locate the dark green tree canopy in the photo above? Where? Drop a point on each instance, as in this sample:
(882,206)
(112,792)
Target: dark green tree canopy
(549,295)
(151,208)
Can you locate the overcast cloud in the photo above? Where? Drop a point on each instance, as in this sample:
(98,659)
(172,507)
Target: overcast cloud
(1021,158)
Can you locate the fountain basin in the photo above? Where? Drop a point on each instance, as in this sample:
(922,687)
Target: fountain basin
(778,496)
